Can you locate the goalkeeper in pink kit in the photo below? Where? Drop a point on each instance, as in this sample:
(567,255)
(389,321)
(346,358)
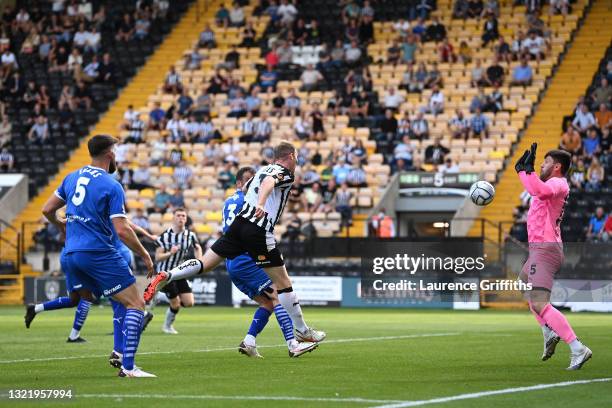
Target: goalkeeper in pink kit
(549,193)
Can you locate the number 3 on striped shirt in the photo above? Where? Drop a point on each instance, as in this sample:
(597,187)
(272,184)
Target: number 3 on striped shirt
(230,214)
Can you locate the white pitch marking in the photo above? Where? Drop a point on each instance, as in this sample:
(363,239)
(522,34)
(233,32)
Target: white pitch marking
(482,394)
(213,349)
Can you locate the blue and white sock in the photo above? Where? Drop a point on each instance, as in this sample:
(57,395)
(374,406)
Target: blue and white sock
(118,317)
(57,303)
(133,327)
(79,319)
(285,323)
(260,319)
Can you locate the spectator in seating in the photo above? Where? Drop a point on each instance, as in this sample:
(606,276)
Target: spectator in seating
(226,178)
(157,117)
(237,106)
(107,69)
(183,175)
(478,74)
(247,128)
(172,83)
(192,130)
(465,53)
(343,204)
(292,103)
(490,30)
(393,99)
(577,172)
(268,78)
(352,54)
(39,132)
(502,50)
(222,17)
(479,125)
(446,52)
(591,143)
(403,151)
(459,125)
(534,46)
(300,32)
(494,74)
(185,103)
(460,9)
(287,13)
(558,7)
(302,127)
(311,78)
(434,78)
(90,73)
(436,152)
(596,224)
(350,12)
(313,198)
(356,176)
(82,96)
(381,225)
(571,141)
(522,75)
(136,130)
(436,31)
(177,199)
(142,220)
(603,117)
(207,38)
(253,101)
(7,161)
(393,53)
(420,9)
(176,128)
(248,35)
(236,15)
(404,126)
(193,60)
(495,101)
(606,234)
(263,129)
(141,178)
(448,167)
(420,127)
(388,126)
(595,176)
(328,196)
(351,33)
(584,120)
(142,26)
(475,8)
(409,48)
(602,94)
(436,102)
(125,29)
(491,7)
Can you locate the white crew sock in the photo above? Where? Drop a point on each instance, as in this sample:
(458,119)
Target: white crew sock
(170,316)
(291,304)
(546,331)
(185,270)
(39,308)
(576,346)
(249,340)
(74,334)
(292,343)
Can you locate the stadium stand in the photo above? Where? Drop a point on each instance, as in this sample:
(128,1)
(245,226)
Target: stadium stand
(345,93)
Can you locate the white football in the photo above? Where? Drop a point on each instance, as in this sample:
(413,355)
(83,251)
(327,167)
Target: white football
(482,192)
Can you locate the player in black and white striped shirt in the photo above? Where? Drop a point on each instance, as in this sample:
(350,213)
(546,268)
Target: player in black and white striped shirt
(253,232)
(174,245)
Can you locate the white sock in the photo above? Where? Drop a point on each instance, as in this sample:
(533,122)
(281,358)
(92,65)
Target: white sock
(185,270)
(170,317)
(546,331)
(74,334)
(291,304)
(576,346)
(39,308)
(249,340)
(292,343)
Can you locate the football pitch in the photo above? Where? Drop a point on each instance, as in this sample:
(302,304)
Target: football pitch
(372,358)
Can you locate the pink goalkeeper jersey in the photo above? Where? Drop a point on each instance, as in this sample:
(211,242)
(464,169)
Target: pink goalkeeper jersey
(546,210)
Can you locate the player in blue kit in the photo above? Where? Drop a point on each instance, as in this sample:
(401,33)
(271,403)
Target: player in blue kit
(73,299)
(95,205)
(251,280)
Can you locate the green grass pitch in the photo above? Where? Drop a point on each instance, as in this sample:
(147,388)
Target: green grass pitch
(372,358)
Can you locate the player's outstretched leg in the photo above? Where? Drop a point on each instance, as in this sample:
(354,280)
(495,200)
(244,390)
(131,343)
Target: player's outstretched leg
(116,356)
(554,319)
(80,315)
(62,302)
(551,339)
(132,327)
(185,270)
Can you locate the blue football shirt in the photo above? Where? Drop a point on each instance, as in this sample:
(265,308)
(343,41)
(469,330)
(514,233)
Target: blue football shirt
(93,198)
